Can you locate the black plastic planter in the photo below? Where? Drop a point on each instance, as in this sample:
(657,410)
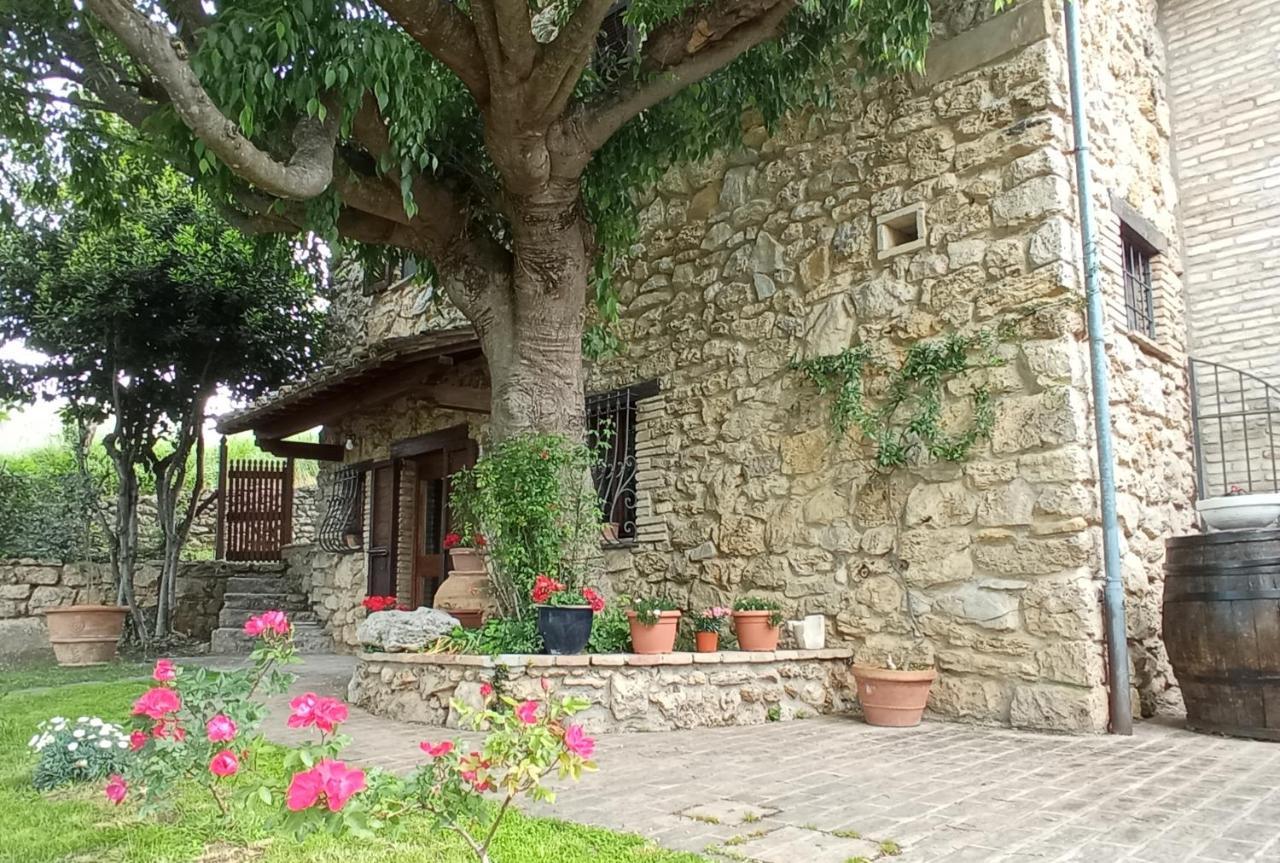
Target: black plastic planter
(565,629)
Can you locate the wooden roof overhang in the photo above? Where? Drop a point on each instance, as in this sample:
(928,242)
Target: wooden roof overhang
(411,365)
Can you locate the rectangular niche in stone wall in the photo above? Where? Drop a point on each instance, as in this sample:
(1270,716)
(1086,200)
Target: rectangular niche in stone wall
(900,231)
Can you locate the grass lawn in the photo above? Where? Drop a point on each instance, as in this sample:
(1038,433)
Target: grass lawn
(80,826)
(14,678)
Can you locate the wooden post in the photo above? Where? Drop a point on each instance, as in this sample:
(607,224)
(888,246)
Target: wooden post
(220,529)
(286,508)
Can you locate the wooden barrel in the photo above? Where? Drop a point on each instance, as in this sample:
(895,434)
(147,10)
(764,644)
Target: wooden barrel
(1222,629)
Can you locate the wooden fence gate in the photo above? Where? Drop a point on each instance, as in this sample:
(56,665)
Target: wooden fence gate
(255,508)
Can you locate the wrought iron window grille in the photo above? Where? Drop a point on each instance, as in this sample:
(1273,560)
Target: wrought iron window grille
(342,529)
(611,431)
(1139,296)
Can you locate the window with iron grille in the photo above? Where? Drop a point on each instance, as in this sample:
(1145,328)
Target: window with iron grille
(611,429)
(1139,299)
(343,526)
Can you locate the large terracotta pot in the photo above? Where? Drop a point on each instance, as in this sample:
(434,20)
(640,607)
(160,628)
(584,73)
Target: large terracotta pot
(470,618)
(467,586)
(706,642)
(85,634)
(659,637)
(893,698)
(754,631)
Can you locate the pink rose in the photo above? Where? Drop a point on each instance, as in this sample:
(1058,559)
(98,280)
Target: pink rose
(220,729)
(329,780)
(156,703)
(224,764)
(485,690)
(436,750)
(253,627)
(137,739)
(322,712)
(527,712)
(164,671)
(116,789)
(577,742)
(276,622)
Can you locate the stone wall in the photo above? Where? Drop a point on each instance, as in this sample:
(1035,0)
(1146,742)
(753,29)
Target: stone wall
(334,584)
(1133,181)
(627,692)
(28,587)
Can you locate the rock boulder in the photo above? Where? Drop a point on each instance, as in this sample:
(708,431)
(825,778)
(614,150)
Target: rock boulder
(400,631)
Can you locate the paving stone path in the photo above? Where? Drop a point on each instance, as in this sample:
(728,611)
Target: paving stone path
(832,790)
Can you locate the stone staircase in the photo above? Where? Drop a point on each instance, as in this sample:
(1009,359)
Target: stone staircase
(270,588)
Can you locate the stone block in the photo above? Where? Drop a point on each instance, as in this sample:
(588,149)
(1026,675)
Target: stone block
(1058,708)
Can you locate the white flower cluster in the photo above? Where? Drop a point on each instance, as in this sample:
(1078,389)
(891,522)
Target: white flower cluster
(86,731)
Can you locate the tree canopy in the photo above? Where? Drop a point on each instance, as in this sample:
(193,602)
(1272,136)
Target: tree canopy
(498,140)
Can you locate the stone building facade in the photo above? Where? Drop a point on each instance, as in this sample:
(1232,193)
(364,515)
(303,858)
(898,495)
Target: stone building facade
(906,211)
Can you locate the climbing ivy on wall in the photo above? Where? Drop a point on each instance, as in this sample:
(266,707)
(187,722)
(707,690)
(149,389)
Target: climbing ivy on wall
(900,409)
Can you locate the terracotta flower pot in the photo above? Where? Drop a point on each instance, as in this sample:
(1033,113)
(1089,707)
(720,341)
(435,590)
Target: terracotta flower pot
(893,698)
(465,590)
(658,637)
(467,559)
(706,642)
(85,634)
(754,631)
(470,618)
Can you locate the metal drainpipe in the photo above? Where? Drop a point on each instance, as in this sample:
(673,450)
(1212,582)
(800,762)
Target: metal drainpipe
(1113,596)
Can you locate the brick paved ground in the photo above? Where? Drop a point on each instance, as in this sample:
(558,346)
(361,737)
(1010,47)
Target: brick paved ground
(830,790)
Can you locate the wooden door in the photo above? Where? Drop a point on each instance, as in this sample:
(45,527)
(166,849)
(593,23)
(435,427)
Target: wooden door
(382,533)
(432,520)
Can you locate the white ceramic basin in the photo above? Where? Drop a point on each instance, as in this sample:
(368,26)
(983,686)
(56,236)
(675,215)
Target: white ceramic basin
(1240,511)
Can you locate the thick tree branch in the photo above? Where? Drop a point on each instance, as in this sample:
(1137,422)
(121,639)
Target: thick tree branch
(567,56)
(446,33)
(713,39)
(308,171)
(515,35)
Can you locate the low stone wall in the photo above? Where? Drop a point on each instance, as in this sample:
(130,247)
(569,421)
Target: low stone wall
(627,691)
(28,587)
(334,584)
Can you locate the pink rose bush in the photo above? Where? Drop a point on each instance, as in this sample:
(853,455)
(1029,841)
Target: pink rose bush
(527,742)
(167,743)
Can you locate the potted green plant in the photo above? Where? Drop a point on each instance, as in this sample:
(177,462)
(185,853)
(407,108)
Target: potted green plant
(707,626)
(564,614)
(653,625)
(756,621)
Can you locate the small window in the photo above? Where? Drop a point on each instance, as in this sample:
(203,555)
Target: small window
(900,231)
(342,528)
(1139,299)
(611,428)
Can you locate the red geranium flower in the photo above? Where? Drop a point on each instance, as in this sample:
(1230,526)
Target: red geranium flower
(451,540)
(595,600)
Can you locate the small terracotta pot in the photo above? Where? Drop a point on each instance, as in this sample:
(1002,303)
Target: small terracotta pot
(609,531)
(85,634)
(754,631)
(470,618)
(467,559)
(659,637)
(893,698)
(706,642)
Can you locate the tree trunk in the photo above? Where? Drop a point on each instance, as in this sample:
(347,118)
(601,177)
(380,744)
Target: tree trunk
(532,336)
(125,556)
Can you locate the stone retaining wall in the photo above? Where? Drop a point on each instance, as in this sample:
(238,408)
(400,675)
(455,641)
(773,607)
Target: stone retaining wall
(627,691)
(28,587)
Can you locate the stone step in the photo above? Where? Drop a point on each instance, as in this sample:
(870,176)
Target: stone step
(263,601)
(237,616)
(307,637)
(258,584)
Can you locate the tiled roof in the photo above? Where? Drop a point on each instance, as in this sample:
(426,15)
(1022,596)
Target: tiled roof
(348,376)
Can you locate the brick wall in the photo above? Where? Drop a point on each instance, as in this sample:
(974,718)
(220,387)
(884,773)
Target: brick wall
(1226,120)
(1224,89)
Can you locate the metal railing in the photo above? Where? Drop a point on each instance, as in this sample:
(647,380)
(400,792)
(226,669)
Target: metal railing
(1235,419)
